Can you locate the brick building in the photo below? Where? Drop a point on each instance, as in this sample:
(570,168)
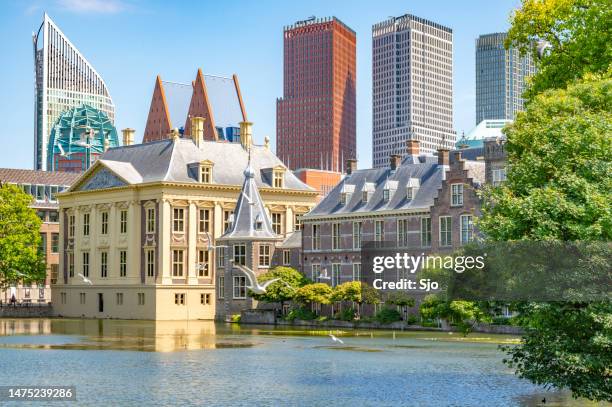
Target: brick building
(321,180)
(43,186)
(419,202)
(316,119)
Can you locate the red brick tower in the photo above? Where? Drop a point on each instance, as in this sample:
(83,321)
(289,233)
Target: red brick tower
(315,118)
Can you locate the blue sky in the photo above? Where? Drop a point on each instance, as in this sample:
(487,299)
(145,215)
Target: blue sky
(129,42)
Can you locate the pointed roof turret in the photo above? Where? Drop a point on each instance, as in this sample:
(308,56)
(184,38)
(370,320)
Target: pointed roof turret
(250,220)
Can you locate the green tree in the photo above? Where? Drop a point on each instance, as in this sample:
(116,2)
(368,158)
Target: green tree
(319,293)
(401,300)
(280,291)
(20,258)
(579,33)
(559,187)
(349,291)
(464,314)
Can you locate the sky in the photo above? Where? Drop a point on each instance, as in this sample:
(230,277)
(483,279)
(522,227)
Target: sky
(129,42)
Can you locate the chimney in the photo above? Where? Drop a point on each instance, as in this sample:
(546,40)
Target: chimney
(246,134)
(457,156)
(395,161)
(443,157)
(413,147)
(128,136)
(351,166)
(197,130)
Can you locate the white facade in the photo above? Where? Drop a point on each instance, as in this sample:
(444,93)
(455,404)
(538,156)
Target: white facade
(63,80)
(412,81)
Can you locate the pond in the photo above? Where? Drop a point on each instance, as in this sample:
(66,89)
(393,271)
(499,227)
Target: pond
(117,363)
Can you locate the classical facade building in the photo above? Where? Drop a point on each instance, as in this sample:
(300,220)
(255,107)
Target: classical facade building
(412,86)
(64,79)
(316,117)
(501,78)
(44,187)
(217,99)
(418,202)
(141,224)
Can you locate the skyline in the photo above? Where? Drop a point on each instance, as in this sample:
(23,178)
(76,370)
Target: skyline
(228,40)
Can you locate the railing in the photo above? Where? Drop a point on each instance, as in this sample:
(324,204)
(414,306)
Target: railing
(24,304)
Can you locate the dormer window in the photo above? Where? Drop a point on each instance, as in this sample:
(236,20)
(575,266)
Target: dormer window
(258,222)
(367,190)
(388,189)
(343,198)
(206,172)
(386,194)
(346,192)
(412,187)
(364,196)
(278,175)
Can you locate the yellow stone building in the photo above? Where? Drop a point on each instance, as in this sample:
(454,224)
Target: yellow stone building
(138,229)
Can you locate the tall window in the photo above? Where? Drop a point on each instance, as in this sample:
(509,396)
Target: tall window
(141,298)
(103,264)
(316,237)
(335,236)
(221,288)
(104,223)
(177,263)
(54,273)
(467,229)
(315,272)
(119,298)
(445,231)
(278,179)
(335,274)
(386,194)
(239,287)
(122,263)
(54,242)
(297,222)
(286,257)
(402,232)
(204,220)
(203,269)
(240,254)
(227,215)
(150,220)
(425,232)
(86,264)
(498,176)
(356,271)
(456,194)
(277,223)
(150,262)
(82,298)
(178,220)
(206,174)
(220,257)
(71,226)
(71,264)
(42,248)
(356,235)
(264,255)
(123,222)
(379,230)
(85,224)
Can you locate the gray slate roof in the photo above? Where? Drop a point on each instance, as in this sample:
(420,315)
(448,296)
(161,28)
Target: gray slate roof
(250,220)
(176,161)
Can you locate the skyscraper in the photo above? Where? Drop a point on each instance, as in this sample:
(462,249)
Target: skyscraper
(412,86)
(63,80)
(500,78)
(315,118)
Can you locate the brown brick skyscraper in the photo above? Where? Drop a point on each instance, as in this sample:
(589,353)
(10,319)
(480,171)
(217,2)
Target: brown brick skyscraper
(315,118)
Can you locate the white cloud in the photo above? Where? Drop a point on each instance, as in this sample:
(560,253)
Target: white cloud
(93,6)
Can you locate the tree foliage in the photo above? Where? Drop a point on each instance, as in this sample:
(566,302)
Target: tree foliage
(313,293)
(349,291)
(579,33)
(280,291)
(400,299)
(20,258)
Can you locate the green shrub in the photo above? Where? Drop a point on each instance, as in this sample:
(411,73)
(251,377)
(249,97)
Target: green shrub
(388,315)
(412,320)
(300,313)
(236,318)
(347,314)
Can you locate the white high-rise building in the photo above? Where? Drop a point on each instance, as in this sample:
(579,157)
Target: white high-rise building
(63,80)
(412,86)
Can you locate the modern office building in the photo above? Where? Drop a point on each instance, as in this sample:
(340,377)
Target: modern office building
(143,222)
(501,78)
(315,118)
(412,86)
(64,79)
(217,99)
(485,129)
(78,138)
(43,186)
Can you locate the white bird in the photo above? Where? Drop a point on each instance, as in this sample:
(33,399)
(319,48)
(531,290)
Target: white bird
(335,339)
(255,286)
(85,279)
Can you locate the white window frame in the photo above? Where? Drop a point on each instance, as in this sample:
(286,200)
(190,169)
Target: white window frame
(123,221)
(150,215)
(286,257)
(178,263)
(264,255)
(104,216)
(457,194)
(379,230)
(356,271)
(467,233)
(178,220)
(240,254)
(150,262)
(357,226)
(239,289)
(445,227)
(336,236)
(123,263)
(426,231)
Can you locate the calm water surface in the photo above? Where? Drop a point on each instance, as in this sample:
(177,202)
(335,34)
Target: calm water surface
(143,363)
